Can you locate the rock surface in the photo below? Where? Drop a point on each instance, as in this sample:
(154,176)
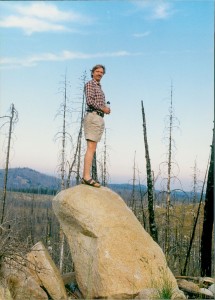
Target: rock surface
(205,292)
(212,288)
(188,286)
(197,287)
(5,293)
(21,284)
(43,267)
(113,255)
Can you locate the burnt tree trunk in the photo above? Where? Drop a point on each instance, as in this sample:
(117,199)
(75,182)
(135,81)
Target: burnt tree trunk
(207,231)
(62,168)
(152,224)
(133,200)
(94,168)
(194,227)
(77,154)
(13,112)
(169,171)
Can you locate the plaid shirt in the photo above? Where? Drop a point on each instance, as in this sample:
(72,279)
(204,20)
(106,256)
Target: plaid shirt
(95,97)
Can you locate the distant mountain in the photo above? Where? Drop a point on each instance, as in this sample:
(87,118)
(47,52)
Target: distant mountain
(28,180)
(31,181)
(125,189)
(25,179)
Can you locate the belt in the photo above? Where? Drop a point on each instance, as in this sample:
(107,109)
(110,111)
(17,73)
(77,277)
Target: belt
(100,113)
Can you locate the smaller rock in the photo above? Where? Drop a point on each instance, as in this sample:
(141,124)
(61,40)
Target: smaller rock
(188,286)
(212,288)
(178,295)
(205,292)
(21,283)
(147,294)
(47,271)
(208,280)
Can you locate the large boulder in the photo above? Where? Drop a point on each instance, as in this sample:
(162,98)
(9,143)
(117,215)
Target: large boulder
(114,257)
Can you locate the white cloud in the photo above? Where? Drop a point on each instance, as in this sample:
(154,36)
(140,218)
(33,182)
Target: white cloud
(141,34)
(142,3)
(48,11)
(41,17)
(161,11)
(30,25)
(155,9)
(12,62)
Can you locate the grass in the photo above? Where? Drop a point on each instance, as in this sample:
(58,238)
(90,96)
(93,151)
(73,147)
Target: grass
(166,291)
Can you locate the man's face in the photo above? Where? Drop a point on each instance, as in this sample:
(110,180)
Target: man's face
(97,74)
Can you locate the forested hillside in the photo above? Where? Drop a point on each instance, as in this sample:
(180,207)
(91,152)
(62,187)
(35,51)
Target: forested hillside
(26,179)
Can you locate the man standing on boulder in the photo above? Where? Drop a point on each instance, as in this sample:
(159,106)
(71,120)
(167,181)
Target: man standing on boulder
(93,121)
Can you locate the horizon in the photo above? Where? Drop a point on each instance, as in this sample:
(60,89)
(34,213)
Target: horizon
(108,183)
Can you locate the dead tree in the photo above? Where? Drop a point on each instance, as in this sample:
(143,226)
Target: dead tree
(83,109)
(152,223)
(62,169)
(194,183)
(207,231)
(104,166)
(194,227)
(169,163)
(13,118)
(141,203)
(32,221)
(77,153)
(171,123)
(133,201)
(64,111)
(94,168)
(63,134)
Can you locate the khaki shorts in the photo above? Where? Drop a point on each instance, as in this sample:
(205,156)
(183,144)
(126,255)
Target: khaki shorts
(93,127)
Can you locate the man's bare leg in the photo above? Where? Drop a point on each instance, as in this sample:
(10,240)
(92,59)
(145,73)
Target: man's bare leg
(88,159)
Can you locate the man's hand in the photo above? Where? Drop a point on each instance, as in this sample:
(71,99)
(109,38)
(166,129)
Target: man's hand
(106,110)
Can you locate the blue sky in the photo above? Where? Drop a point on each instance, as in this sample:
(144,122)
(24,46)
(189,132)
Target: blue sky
(146,46)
